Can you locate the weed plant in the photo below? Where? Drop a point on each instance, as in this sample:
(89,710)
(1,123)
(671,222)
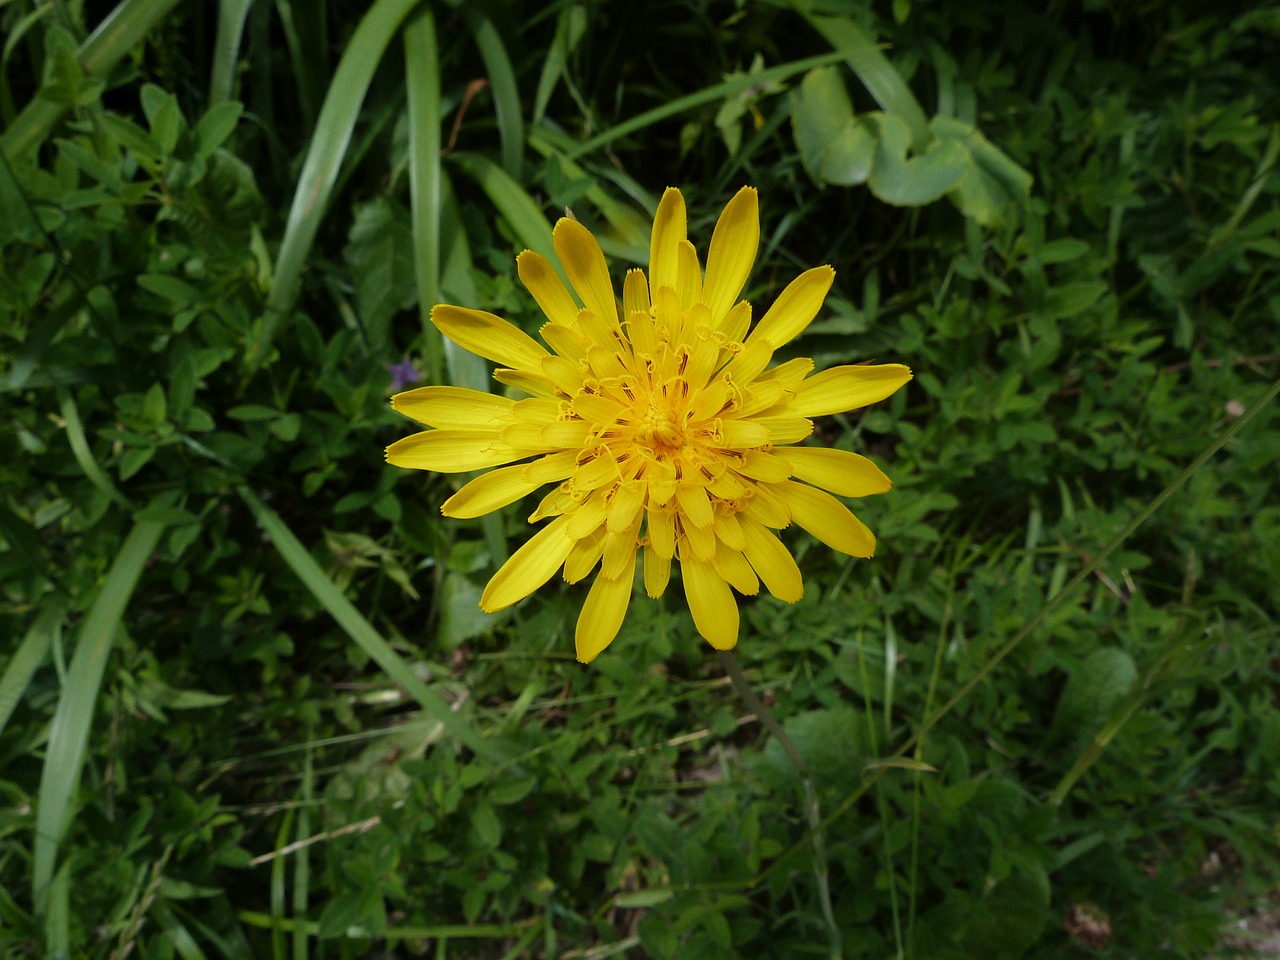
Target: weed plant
(248,704)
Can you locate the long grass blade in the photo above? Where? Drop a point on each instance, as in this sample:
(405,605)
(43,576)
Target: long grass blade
(324,158)
(512,202)
(359,629)
(226,49)
(28,657)
(422,81)
(570,28)
(124,27)
(69,734)
(502,83)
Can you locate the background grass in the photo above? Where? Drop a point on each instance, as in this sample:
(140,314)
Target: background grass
(249,705)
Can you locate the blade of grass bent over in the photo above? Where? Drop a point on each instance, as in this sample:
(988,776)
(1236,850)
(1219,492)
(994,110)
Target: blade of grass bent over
(124,27)
(359,629)
(324,158)
(69,734)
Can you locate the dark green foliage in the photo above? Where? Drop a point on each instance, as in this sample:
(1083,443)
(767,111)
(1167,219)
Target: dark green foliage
(255,786)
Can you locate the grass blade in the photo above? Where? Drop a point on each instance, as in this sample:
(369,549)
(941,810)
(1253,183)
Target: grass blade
(28,657)
(359,629)
(502,83)
(513,203)
(84,456)
(324,158)
(226,49)
(124,27)
(570,28)
(69,735)
(719,91)
(422,82)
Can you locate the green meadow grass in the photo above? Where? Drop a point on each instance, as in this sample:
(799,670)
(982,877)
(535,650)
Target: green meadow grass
(249,706)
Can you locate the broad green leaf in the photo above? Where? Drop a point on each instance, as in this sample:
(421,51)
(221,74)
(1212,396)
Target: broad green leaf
(1071,299)
(216,125)
(835,146)
(913,182)
(992,183)
(379,252)
(1105,676)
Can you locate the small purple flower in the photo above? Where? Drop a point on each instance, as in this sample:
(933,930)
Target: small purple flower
(403,374)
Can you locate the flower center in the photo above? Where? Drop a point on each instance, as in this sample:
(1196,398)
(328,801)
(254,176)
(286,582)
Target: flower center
(659,431)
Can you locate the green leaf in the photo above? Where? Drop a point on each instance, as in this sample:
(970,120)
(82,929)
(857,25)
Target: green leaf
(252,412)
(171,288)
(1071,299)
(27,658)
(215,126)
(1105,676)
(992,183)
(1012,916)
(920,180)
(835,146)
(379,252)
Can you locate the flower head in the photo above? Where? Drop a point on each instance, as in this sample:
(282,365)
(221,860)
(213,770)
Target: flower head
(662,425)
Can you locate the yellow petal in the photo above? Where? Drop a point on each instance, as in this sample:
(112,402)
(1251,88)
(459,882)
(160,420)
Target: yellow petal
(743,434)
(583,558)
(750,363)
(584,262)
(689,275)
(840,471)
(736,322)
(539,278)
(785,429)
(564,340)
(772,561)
(789,374)
(589,516)
(733,567)
(489,492)
(635,293)
(760,396)
(565,374)
(534,384)
(490,337)
(661,529)
(715,613)
(537,410)
(700,541)
(828,519)
(554,466)
(664,246)
(657,572)
(694,505)
(625,508)
(795,307)
(732,253)
(602,613)
(847,388)
(768,507)
(765,467)
(529,567)
(620,551)
(453,407)
(729,531)
(452,451)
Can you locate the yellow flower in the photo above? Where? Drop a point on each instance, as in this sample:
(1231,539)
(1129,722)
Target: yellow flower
(663,427)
